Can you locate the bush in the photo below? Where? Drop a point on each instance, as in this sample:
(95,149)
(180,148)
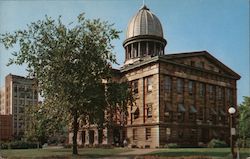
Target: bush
(214,143)
(68,146)
(4,146)
(172,145)
(22,145)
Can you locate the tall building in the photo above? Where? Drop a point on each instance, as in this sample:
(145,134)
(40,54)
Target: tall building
(20,92)
(5,127)
(2,103)
(181,98)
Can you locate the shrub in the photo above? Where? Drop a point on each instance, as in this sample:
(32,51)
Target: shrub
(4,146)
(172,145)
(22,145)
(67,146)
(214,143)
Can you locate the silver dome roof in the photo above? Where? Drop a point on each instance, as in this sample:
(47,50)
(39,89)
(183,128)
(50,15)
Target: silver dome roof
(144,23)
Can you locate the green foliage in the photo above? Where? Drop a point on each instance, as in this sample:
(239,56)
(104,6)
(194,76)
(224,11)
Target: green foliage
(69,62)
(19,145)
(45,122)
(4,145)
(244,120)
(171,145)
(214,143)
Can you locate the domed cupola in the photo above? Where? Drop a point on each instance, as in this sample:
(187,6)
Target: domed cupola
(144,36)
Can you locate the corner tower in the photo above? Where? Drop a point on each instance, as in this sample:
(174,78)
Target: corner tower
(144,36)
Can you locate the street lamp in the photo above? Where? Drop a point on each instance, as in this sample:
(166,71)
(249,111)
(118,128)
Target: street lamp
(231,111)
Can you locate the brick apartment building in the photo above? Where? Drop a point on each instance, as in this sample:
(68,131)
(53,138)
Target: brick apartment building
(5,127)
(17,93)
(181,98)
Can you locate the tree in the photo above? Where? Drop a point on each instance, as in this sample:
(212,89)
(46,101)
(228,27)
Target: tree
(69,62)
(244,120)
(118,96)
(45,122)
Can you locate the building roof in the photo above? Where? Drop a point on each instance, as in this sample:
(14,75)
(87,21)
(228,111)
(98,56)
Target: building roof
(144,23)
(169,58)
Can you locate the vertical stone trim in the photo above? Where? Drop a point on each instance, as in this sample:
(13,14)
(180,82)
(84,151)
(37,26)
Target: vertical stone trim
(206,102)
(139,50)
(147,48)
(143,98)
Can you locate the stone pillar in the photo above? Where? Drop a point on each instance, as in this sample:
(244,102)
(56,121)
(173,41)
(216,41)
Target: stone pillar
(87,137)
(95,137)
(79,138)
(105,136)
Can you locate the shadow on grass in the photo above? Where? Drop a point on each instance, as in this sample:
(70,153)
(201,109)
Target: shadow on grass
(178,154)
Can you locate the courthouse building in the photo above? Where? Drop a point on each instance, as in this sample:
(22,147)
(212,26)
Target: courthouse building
(181,98)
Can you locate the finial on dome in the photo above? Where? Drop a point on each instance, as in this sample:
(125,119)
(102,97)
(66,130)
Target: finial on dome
(144,7)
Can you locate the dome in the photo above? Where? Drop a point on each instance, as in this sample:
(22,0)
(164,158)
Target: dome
(144,23)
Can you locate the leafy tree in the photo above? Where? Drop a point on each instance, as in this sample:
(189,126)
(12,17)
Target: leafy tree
(45,122)
(118,96)
(244,120)
(69,62)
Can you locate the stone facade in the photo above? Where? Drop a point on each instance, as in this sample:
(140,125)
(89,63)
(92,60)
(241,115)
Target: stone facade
(180,98)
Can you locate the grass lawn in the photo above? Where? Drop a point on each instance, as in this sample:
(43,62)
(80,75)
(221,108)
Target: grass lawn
(60,153)
(211,152)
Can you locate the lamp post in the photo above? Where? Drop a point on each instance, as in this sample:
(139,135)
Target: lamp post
(231,111)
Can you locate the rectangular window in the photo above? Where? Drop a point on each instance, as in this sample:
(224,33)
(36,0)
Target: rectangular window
(202,89)
(168,112)
(181,112)
(192,113)
(135,135)
(149,83)
(191,87)
(219,93)
(180,86)
(149,110)
(148,133)
(211,91)
(168,84)
(135,86)
(201,113)
(229,96)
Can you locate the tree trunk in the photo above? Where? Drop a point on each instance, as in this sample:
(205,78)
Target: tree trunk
(75,131)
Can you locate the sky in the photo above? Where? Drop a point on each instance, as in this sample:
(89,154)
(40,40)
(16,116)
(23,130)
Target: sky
(220,27)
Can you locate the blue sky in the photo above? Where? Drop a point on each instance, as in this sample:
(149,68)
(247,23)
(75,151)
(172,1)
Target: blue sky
(219,26)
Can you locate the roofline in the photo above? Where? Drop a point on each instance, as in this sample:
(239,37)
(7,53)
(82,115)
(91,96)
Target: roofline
(165,58)
(206,53)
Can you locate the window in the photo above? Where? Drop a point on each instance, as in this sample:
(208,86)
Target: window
(149,110)
(219,93)
(168,84)
(201,113)
(180,86)
(168,112)
(149,82)
(192,113)
(135,135)
(135,86)
(202,89)
(135,112)
(229,96)
(148,133)
(181,112)
(211,91)
(191,87)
